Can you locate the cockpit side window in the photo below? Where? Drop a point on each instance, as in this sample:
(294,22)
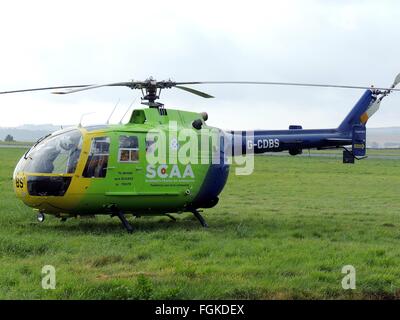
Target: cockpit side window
(96,165)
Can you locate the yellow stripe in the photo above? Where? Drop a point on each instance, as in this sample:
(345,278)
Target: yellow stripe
(364,118)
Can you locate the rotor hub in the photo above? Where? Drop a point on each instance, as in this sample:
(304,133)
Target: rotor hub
(151,90)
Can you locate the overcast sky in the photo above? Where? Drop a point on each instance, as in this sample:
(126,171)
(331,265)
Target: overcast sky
(76,42)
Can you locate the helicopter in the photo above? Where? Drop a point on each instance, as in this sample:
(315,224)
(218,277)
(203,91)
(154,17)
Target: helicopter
(106,169)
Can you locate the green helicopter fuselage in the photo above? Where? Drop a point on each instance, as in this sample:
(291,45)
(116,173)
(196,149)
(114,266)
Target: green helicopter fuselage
(108,168)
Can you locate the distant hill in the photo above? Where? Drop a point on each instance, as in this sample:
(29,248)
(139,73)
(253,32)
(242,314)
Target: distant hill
(28,132)
(376,137)
(383,137)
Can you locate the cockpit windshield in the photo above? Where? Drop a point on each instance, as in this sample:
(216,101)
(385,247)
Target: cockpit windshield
(57,154)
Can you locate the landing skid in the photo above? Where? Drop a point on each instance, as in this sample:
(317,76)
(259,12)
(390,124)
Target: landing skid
(129,228)
(171,217)
(125,222)
(199,217)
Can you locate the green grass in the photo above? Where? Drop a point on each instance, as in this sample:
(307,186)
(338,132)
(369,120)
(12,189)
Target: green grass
(284,232)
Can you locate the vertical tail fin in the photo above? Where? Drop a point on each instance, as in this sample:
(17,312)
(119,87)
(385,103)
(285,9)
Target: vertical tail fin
(361,112)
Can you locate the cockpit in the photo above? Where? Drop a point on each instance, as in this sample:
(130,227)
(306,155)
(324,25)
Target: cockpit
(56,154)
(51,162)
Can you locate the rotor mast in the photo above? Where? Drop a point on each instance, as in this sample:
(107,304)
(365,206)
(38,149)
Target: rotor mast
(151,90)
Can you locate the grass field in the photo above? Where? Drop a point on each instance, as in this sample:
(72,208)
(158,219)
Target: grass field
(284,232)
(16,143)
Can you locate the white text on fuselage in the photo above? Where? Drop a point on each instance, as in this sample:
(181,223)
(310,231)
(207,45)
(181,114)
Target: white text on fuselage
(263,144)
(169,172)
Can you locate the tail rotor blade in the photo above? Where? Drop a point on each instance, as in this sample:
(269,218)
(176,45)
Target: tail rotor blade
(396,81)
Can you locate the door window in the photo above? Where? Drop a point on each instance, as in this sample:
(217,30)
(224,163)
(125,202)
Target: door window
(96,165)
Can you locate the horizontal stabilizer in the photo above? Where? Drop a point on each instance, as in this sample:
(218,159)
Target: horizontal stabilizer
(341,141)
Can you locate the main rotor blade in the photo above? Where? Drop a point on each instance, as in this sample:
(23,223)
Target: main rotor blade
(196,92)
(170,84)
(130,84)
(45,88)
(289,84)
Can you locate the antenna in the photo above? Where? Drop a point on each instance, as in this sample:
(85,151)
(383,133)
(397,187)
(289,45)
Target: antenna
(83,114)
(134,100)
(108,120)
